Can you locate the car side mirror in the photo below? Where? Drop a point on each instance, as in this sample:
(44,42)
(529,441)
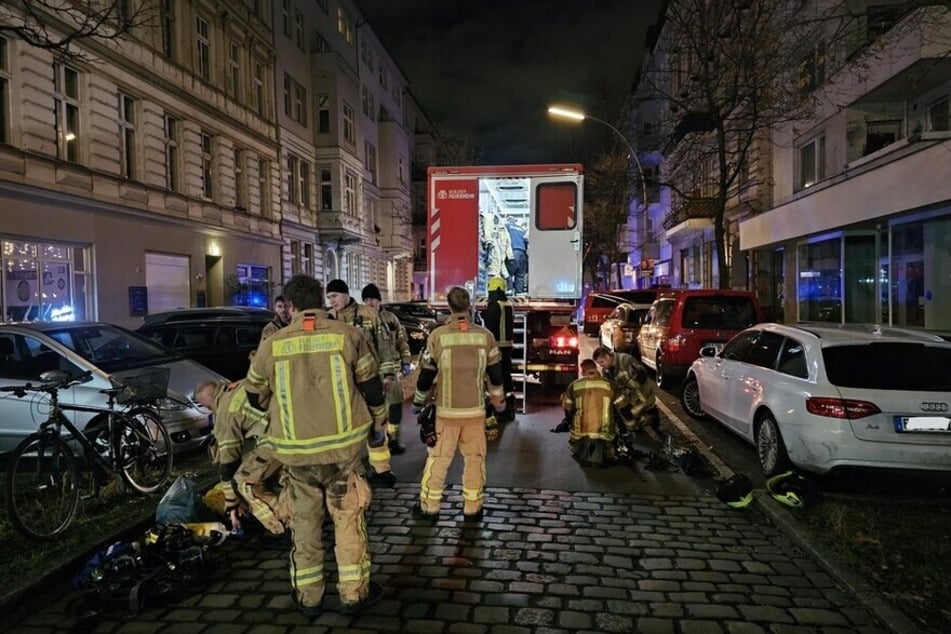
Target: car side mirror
(708,351)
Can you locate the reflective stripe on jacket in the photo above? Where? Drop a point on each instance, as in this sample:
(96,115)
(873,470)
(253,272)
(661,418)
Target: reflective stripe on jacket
(588,400)
(235,420)
(310,370)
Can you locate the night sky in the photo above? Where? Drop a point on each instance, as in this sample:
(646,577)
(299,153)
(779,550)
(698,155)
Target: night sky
(486,70)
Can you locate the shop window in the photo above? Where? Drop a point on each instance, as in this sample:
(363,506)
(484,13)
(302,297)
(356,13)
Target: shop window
(43,282)
(252,285)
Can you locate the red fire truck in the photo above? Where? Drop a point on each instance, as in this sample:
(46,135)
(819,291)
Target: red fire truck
(479,218)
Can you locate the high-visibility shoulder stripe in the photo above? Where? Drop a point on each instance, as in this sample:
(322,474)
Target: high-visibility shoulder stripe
(462,339)
(317,445)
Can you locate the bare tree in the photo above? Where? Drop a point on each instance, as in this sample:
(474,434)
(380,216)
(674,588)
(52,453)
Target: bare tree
(608,185)
(733,71)
(58,25)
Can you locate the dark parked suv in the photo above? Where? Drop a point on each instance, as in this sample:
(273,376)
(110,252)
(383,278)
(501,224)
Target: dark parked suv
(218,338)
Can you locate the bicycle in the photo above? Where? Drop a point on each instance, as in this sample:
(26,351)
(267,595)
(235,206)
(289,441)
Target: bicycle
(43,475)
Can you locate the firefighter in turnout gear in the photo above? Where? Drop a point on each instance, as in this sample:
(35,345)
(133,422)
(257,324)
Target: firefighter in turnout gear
(458,358)
(345,309)
(499,317)
(322,382)
(588,404)
(634,400)
(242,474)
(396,339)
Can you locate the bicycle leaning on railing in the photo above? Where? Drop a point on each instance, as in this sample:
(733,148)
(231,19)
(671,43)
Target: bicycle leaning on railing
(125,440)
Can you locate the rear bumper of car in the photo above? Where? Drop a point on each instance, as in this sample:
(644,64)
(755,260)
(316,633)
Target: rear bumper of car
(825,445)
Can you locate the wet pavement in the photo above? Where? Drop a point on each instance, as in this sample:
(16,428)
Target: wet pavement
(561,549)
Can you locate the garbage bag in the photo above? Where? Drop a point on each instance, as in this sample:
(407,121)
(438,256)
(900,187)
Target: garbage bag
(183,503)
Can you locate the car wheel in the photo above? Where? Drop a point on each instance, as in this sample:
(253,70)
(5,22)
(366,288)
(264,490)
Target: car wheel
(770,448)
(659,377)
(690,398)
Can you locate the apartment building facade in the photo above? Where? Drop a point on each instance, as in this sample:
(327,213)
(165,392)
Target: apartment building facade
(839,216)
(201,159)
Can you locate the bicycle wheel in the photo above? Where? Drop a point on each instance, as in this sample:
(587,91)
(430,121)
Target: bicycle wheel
(144,451)
(42,487)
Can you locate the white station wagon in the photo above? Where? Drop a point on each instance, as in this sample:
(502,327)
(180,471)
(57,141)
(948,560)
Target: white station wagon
(822,397)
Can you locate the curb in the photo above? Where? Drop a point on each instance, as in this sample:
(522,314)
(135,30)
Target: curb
(891,617)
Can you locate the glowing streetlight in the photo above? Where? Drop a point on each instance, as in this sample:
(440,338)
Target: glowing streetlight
(579,116)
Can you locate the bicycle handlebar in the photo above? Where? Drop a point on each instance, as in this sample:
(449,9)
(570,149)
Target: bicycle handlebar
(50,388)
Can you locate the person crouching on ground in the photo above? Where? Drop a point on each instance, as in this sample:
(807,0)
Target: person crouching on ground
(588,408)
(242,474)
(635,402)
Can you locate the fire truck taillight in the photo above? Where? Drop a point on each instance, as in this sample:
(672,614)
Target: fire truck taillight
(563,342)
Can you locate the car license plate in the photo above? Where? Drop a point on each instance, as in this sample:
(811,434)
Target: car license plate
(922,424)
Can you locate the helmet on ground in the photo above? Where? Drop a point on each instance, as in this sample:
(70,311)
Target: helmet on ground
(736,491)
(793,489)
(496,284)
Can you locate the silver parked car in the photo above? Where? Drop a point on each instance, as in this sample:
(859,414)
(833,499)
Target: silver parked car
(29,349)
(820,397)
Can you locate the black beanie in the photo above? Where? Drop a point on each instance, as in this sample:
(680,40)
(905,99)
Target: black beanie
(338,286)
(370,291)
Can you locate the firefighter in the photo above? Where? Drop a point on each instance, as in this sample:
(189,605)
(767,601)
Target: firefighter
(458,358)
(344,308)
(588,404)
(396,339)
(499,318)
(326,398)
(282,317)
(634,401)
(242,474)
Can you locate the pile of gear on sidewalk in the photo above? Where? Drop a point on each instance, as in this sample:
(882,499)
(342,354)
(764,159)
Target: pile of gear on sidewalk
(178,553)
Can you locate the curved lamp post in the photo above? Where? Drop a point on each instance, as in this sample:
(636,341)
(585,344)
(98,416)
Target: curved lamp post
(579,116)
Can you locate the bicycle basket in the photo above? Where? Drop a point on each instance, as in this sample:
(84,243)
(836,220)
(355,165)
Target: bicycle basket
(148,385)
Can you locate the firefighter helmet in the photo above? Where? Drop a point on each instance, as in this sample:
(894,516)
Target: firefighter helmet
(736,491)
(496,284)
(793,489)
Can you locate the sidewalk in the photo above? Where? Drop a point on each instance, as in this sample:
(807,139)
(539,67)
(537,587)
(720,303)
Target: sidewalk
(560,550)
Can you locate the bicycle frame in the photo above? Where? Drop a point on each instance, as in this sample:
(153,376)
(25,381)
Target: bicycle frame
(58,419)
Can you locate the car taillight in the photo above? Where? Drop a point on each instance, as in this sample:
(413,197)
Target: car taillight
(563,342)
(673,344)
(841,408)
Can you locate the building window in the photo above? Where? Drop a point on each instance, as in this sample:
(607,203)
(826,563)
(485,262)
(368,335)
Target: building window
(812,158)
(252,286)
(324,4)
(260,89)
(366,54)
(234,70)
(350,193)
(295,257)
(384,79)
(323,114)
(879,134)
(264,186)
(938,116)
(207,158)
(298,181)
(295,100)
(66,100)
(349,130)
(812,69)
(240,180)
(4,91)
(299,29)
(345,25)
(370,160)
(168,28)
(203,48)
(292,191)
(286,17)
(303,182)
(307,259)
(171,152)
(321,45)
(326,189)
(127,151)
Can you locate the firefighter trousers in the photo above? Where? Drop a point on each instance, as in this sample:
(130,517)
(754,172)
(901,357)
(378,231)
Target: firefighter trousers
(341,490)
(468,435)
(394,402)
(257,466)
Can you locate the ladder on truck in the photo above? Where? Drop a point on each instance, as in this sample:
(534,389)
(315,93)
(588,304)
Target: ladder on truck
(520,361)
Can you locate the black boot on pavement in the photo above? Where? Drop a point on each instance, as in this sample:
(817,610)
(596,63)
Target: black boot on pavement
(385,480)
(310,611)
(397,448)
(420,514)
(473,517)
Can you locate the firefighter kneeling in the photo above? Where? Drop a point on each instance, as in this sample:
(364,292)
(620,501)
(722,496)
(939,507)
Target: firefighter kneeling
(588,404)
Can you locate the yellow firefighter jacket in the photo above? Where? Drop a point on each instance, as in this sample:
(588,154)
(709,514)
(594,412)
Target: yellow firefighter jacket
(587,401)
(310,371)
(235,420)
(460,354)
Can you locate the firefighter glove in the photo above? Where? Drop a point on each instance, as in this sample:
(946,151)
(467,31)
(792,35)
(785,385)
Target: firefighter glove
(427,425)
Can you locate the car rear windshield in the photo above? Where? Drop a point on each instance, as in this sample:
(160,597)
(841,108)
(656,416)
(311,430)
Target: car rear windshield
(889,366)
(730,312)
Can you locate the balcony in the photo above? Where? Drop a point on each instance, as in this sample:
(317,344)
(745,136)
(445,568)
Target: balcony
(338,226)
(692,215)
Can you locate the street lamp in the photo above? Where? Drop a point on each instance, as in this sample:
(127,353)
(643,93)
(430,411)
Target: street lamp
(579,116)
